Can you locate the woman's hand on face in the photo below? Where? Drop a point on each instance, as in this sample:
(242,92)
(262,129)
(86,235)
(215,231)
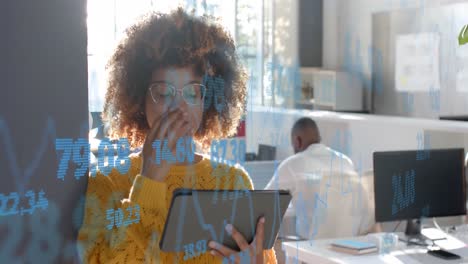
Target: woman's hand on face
(252,252)
(172,126)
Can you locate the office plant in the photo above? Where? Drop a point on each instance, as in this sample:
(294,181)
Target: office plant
(463,37)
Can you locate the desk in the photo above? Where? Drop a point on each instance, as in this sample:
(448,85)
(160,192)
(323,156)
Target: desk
(318,251)
(403,132)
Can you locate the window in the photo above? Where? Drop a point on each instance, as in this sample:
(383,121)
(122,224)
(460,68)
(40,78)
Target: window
(244,19)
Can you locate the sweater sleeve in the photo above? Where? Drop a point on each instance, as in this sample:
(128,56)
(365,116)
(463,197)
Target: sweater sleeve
(245,182)
(136,239)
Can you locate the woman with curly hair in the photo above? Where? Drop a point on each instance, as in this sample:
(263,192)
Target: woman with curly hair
(156,91)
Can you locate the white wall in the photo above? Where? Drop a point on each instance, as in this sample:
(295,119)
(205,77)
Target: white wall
(355,16)
(368,133)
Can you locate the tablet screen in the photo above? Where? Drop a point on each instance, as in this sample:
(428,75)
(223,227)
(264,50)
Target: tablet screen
(198,216)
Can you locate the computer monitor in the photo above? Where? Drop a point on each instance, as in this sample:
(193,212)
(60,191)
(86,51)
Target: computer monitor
(266,152)
(421,183)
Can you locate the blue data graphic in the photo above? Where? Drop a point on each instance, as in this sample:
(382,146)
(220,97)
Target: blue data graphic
(219,153)
(22,176)
(193,250)
(214,234)
(117,218)
(79,212)
(426,211)
(388,242)
(282,79)
(353,63)
(44,243)
(95,218)
(434,95)
(229,219)
(185,151)
(319,207)
(342,141)
(359,205)
(280,82)
(10,204)
(408,102)
(311,213)
(29,213)
(404,191)
(424,141)
(214,93)
(107,150)
(78,151)
(111,223)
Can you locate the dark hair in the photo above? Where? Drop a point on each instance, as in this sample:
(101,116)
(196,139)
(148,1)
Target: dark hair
(176,39)
(304,123)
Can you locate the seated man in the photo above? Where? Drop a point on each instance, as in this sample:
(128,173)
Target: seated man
(328,199)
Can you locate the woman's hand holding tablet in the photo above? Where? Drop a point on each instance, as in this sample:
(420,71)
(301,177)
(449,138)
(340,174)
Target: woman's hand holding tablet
(238,227)
(252,252)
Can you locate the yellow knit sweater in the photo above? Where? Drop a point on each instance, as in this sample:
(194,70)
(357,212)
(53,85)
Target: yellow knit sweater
(139,242)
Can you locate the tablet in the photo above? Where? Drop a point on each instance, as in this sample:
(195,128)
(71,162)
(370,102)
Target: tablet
(200,216)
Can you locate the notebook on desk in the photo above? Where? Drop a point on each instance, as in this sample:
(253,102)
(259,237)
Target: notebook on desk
(353,247)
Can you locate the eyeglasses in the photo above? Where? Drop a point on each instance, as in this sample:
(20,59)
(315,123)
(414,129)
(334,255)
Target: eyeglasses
(193,93)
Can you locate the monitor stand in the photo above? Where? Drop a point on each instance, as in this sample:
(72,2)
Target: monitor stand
(413,232)
(413,228)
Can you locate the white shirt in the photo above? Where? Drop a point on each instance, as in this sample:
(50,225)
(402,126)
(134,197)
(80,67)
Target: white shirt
(315,177)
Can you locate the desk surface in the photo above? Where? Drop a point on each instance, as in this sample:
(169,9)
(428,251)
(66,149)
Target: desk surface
(318,251)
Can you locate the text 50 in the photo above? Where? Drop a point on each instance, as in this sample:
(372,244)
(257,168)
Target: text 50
(116,217)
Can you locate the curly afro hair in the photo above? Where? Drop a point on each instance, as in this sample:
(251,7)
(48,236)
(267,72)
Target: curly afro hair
(176,39)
